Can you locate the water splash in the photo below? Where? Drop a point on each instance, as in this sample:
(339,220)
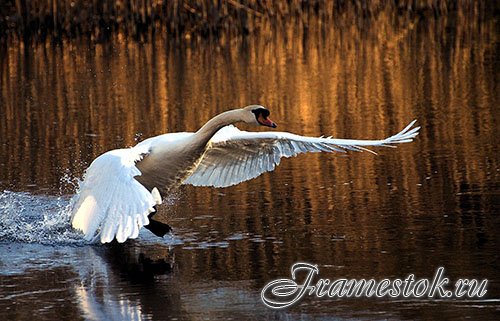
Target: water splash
(68,183)
(42,219)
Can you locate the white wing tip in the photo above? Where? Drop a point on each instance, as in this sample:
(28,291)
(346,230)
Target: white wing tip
(404,136)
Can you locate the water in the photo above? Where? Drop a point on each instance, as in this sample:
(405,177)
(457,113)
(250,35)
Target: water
(430,203)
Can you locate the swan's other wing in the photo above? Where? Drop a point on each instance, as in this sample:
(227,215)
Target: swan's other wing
(110,202)
(235,156)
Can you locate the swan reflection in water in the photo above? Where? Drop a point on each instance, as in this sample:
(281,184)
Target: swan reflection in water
(99,293)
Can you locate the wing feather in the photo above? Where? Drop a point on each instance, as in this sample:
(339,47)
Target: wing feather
(234,156)
(110,202)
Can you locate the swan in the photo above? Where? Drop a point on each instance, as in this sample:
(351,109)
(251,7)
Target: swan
(121,188)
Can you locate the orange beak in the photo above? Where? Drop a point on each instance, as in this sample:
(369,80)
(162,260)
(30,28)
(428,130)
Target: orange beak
(266,122)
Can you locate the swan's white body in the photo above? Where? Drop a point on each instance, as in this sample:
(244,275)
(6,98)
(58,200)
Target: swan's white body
(121,186)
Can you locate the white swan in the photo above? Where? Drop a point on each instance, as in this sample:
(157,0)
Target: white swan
(121,187)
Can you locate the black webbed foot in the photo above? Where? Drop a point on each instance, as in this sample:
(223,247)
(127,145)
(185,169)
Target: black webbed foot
(156,227)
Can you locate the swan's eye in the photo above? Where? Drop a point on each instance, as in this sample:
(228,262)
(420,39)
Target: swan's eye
(261,112)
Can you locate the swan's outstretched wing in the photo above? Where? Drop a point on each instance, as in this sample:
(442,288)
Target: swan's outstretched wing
(235,156)
(110,202)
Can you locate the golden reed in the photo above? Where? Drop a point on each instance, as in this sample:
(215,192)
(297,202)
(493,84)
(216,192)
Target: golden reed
(98,19)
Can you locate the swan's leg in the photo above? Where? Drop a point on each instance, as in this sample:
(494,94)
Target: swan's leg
(156,227)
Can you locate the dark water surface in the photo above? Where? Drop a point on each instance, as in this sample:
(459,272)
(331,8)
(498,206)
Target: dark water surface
(431,203)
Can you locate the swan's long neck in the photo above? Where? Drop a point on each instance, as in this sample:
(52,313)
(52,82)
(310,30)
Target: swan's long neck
(168,164)
(205,133)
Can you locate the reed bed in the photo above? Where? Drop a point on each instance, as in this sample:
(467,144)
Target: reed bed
(98,19)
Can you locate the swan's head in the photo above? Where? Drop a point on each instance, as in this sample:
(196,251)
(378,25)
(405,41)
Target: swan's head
(258,115)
